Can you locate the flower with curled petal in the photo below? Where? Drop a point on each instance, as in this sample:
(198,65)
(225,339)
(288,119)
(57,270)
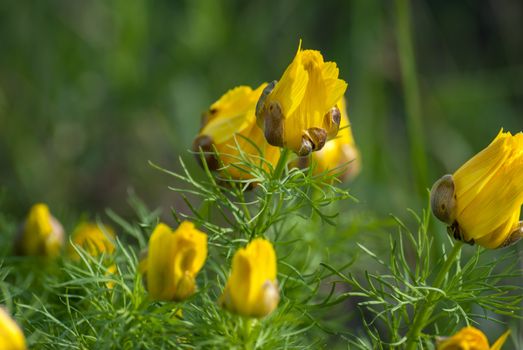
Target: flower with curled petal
(299,111)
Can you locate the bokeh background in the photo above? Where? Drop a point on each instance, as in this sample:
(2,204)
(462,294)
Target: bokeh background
(90,91)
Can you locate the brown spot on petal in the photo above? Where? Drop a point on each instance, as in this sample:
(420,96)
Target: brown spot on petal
(203,144)
(261,101)
(514,236)
(442,199)
(303,162)
(455,231)
(318,137)
(273,124)
(331,121)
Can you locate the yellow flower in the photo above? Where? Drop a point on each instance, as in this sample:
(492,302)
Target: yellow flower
(94,239)
(173,260)
(470,338)
(252,289)
(481,202)
(11,336)
(340,152)
(41,234)
(229,127)
(299,112)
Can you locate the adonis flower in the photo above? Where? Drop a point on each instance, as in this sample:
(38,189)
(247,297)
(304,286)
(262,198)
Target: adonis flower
(470,338)
(173,260)
(93,238)
(299,112)
(229,128)
(481,202)
(11,336)
(340,152)
(252,289)
(41,234)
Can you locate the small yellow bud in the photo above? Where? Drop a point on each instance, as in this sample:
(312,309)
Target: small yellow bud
(94,239)
(229,128)
(470,338)
(41,234)
(340,152)
(173,260)
(252,289)
(299,111)
(481,202)
(11,336)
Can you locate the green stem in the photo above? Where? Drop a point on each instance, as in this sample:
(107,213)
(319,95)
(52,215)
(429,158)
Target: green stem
(424,308)
(247,326)
(411,93)
(267,204)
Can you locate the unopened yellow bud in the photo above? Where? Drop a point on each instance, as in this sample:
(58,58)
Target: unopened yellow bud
(41,234)
(481,202)
(94,239)
(173,260)
(252,288)
(300,111)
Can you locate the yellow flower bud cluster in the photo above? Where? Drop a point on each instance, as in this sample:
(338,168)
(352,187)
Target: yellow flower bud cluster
(174,258)
(43,235)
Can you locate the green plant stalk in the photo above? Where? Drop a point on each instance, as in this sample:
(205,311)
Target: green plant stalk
(426,307)
(411,93)
(276,175)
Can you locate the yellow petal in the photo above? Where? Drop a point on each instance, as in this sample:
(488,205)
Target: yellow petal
(488,191)
(160,266)
(11,336)
(501,340)
(290,89)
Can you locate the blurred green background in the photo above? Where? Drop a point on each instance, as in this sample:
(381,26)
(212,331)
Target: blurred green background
(90,91)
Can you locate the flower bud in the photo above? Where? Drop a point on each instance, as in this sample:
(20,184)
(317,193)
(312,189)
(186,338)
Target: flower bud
(340,152)
(11,336)
(229,131)
(470,338)
(299,111)
(481,202)
(173,260)
(94,239)
(41,234)
(252,288)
